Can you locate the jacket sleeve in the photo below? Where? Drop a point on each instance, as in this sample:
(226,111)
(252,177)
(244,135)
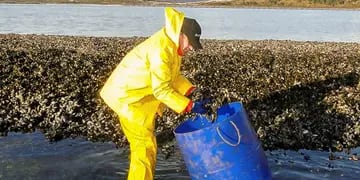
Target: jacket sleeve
(182,84)
(161,73)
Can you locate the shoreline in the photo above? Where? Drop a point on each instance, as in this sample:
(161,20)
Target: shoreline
(202,39)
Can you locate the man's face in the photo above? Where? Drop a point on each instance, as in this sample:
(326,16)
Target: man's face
(184,44)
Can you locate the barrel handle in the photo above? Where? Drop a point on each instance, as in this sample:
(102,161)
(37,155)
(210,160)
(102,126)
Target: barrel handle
(226,141)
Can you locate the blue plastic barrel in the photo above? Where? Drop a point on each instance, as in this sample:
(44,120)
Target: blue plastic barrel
(227,149)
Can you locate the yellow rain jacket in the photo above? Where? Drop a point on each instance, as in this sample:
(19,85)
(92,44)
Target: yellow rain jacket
(151,68)
(146,77)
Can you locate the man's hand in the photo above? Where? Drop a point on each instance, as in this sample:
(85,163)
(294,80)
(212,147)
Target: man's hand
(200,106)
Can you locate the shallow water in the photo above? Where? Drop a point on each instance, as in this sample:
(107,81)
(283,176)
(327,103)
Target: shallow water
(217,23)
(31,156)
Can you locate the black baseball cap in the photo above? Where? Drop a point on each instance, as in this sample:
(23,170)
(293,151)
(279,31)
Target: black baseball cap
(191,28)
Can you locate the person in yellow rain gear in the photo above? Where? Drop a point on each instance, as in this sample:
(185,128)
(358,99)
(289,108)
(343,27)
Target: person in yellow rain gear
(148,77)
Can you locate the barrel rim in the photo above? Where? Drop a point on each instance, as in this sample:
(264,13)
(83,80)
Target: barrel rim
(241,107)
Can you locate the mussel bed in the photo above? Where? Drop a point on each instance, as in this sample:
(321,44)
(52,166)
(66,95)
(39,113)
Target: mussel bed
(297,94)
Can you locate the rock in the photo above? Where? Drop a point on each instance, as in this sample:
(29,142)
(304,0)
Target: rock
(297,94)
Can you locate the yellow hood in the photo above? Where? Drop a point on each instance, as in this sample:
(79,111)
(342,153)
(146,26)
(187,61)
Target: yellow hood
(173,22)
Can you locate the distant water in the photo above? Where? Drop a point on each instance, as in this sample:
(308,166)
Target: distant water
(31,156)
(217,23)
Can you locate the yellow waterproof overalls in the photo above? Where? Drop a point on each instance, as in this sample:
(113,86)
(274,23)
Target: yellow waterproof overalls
(146,77)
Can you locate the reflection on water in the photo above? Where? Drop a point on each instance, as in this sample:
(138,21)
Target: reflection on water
(30,156)
(217,23)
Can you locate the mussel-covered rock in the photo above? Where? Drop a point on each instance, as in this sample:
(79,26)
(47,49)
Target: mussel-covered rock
(297,94)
